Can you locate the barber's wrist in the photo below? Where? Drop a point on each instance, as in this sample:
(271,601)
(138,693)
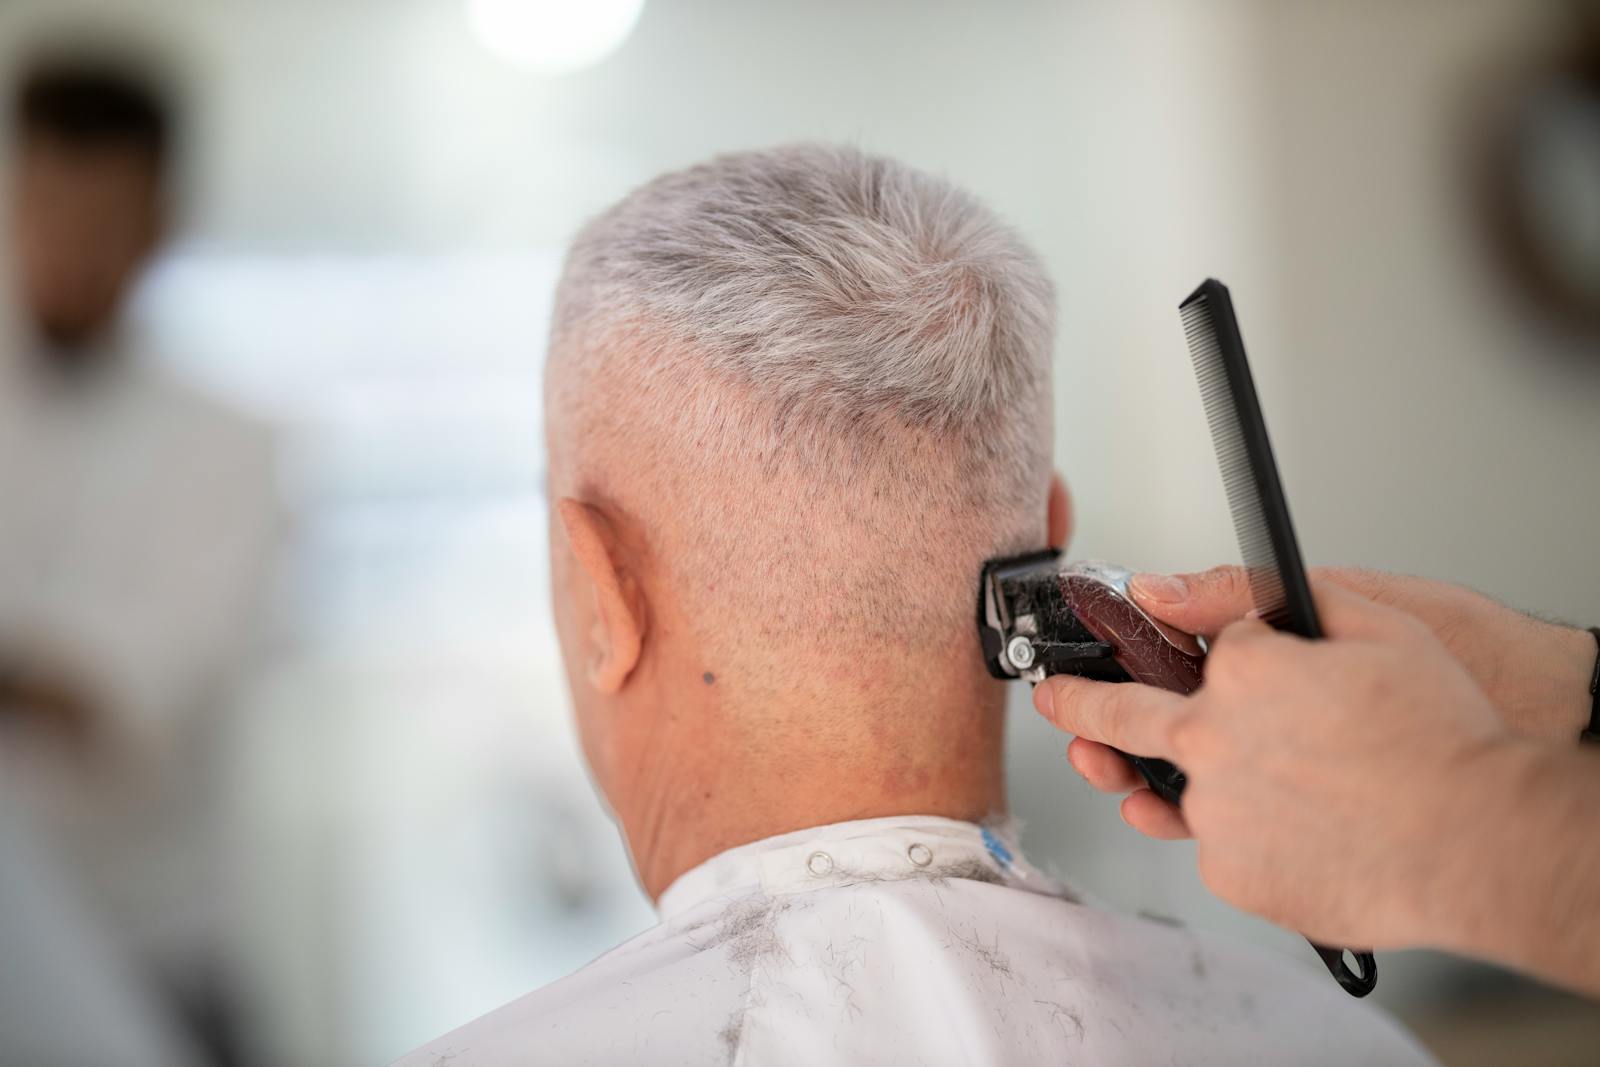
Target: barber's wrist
(1519,882)
(1572,704)
(1554,702)
(1482,849)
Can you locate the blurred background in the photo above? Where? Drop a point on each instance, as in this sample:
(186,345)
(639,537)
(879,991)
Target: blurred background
(286,775)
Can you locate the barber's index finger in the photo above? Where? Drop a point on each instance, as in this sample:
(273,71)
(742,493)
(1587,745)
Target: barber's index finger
(1125,715)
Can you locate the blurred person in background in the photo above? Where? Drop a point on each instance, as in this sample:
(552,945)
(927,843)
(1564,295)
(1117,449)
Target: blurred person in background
(794,399)
(138,525)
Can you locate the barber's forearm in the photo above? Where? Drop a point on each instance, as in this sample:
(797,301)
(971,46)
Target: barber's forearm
(1522,887)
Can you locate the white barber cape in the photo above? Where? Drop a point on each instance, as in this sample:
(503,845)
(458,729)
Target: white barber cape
(918,941)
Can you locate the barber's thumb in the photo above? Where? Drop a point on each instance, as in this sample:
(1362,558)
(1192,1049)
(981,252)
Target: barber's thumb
(1200,603)
(1164,589)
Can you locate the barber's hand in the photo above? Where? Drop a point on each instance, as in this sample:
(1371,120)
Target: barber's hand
(1322,774)
(1535,673)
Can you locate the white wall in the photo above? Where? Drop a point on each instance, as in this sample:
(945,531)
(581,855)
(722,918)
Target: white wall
(1440,428)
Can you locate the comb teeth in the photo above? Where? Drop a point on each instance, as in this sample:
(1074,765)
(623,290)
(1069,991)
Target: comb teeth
(1233,457)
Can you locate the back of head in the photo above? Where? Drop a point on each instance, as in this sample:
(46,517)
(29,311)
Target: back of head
(820,381)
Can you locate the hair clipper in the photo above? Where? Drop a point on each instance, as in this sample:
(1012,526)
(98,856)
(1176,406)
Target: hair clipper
(1039,615)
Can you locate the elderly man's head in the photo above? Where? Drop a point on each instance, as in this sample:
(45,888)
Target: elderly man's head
(795,398)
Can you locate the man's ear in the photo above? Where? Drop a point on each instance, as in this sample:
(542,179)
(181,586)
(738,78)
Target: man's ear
(1059,513)
(617,636)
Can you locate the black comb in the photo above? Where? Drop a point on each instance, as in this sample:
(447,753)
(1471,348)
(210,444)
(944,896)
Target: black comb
(1249,473)
(1267,544)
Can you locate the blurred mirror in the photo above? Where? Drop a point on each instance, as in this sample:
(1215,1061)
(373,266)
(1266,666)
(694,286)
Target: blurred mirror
(1544,179)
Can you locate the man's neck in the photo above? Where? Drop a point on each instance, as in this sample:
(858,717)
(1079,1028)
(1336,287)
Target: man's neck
(934,749)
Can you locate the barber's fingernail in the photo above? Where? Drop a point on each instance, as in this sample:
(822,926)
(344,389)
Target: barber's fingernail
(1160,588)
(1044,698)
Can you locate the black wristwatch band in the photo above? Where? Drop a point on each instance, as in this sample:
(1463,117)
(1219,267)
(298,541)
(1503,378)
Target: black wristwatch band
(1591,733)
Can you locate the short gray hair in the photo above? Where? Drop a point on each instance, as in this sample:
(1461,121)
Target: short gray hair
(816,308)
